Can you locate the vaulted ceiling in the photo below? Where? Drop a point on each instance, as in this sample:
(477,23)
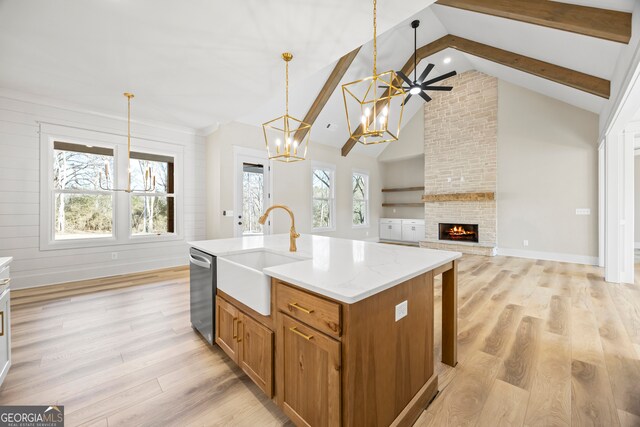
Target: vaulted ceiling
(214,62)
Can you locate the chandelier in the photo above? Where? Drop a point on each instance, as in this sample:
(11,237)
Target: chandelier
(374,117)
(286,137)
(148,179)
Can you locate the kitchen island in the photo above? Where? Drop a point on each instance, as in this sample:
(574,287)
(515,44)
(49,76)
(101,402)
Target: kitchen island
(343,333)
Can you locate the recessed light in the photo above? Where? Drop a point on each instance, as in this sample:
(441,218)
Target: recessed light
(447,60)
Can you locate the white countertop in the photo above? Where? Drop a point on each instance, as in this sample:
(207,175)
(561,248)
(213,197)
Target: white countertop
(345,270)
(4,261)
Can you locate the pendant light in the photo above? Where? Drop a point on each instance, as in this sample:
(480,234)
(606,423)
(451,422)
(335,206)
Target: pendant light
(286,137)
(148,179)
(374,117)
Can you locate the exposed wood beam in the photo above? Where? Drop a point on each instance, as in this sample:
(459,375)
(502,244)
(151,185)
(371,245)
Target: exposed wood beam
(575,79)
(327,90)
(589,21)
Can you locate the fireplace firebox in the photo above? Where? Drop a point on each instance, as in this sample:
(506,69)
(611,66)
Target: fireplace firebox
(459,232)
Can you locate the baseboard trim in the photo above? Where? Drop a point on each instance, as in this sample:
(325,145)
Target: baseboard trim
(549,256)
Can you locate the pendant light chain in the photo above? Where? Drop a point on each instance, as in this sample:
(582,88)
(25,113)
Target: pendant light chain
(375,42)
(287,87)
(129,142)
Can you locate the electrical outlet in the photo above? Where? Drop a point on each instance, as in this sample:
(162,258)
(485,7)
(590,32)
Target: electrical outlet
(114,255)
(525,243)
(394,210)
(583,211)
(449,179)
(401,310)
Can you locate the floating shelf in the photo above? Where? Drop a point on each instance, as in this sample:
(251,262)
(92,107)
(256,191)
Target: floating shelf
(403,205)
(459,197)
(393,190)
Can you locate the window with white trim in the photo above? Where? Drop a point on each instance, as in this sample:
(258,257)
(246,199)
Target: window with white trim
(152,213)
(360,205)
(323,197)
(82,210)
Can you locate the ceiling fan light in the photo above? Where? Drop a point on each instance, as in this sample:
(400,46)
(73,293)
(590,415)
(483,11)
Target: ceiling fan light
(447,60)
(415,90)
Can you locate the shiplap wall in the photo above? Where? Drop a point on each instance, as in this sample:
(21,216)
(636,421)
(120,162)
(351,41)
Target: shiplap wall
(20,198)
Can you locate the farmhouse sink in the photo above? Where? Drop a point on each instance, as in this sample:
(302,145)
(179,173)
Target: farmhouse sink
(240,276)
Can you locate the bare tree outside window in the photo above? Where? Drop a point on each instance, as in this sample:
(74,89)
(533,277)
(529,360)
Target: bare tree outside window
(322,188)
(82,208)
(252,198)
(152,213)
(360,199)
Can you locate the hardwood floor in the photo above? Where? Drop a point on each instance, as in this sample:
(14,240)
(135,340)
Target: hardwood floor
(540,343)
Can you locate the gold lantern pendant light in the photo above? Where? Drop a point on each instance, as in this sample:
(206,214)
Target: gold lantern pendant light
(286,137)
(148,179)
(374,118)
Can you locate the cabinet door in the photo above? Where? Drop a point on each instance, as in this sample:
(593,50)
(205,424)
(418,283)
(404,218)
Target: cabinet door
(396,232)
(385,231)
(227,317)
(309,367)
(407,232)
(255,355)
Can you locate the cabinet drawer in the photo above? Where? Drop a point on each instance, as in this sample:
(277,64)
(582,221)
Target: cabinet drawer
(317,312)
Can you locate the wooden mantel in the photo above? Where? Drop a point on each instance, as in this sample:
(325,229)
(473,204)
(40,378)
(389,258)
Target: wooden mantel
(459,197)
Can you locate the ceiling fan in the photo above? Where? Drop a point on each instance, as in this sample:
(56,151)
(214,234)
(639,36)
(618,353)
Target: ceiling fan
(418,86)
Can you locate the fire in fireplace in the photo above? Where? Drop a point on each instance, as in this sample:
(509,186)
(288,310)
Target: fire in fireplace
(459,232)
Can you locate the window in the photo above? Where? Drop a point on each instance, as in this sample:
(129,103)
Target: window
(360,188)
(323,198)
(82,210)
(152,213)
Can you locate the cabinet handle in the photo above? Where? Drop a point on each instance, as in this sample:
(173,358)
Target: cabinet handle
(2,317)
(235,328)
(239,339)
(295,305)
(296,331)
(5,282)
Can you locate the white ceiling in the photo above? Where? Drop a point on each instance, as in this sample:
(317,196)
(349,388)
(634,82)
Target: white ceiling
(214,62)
(192,63)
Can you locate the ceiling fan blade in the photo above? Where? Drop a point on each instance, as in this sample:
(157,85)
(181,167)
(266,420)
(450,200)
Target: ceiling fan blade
(404,77)
(425,73)
(406,99)
(438,79)
(441,88)
(425,96)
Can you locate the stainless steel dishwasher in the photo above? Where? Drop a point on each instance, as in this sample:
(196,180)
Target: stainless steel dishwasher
(202,291)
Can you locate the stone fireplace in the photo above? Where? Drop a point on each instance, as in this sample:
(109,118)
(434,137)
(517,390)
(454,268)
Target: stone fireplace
(461,139)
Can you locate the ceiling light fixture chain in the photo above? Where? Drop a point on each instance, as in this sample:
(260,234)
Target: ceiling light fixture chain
(148,179)
(375,38)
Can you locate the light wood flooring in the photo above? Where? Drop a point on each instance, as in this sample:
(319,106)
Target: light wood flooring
(540,344)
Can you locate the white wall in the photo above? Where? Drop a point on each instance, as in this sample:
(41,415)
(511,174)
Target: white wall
(291,184)
(547,167)
(411,141)
(19,198)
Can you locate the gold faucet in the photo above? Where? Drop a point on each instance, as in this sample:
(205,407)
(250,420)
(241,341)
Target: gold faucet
(293,235)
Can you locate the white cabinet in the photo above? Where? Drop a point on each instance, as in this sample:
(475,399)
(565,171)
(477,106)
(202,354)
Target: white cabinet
(5,316)
(390,229)
(401,230)
(412,230)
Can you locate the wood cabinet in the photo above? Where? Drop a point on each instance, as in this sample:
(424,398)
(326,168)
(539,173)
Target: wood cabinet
(246,342)
(255,355)
(310,386)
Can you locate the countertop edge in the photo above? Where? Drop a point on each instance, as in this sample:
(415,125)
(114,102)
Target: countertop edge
(364,295)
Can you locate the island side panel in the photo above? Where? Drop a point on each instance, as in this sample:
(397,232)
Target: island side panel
(386,363)
(450,315)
